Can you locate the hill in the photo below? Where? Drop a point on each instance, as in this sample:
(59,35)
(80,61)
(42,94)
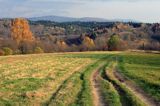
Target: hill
(71,19)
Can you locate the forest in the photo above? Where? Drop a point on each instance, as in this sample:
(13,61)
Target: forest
(22,36)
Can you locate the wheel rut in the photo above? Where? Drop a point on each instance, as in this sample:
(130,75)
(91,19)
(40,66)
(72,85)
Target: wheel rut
(97,94)
(135,89)
(123,98)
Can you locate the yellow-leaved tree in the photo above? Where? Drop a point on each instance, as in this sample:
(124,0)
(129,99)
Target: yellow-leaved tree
(61,45)
(88,43)
(20,30)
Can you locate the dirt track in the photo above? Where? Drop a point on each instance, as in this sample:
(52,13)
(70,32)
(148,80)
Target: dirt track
(97,97)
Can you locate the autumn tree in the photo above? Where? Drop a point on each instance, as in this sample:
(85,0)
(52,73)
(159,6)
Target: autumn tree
(88,43)
(61,45)
(20,30)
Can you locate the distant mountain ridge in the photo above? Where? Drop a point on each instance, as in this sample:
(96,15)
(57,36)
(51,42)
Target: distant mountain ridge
(71,19)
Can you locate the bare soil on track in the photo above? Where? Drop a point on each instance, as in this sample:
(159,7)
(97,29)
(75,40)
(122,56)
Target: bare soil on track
(97,95)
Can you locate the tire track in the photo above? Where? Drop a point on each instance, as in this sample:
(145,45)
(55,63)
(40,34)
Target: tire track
(98,98)
(97,94)
(119,81)
(61,85)
(135,89)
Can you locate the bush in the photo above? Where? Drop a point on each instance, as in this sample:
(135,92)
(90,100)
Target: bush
(7,51)
(1,52)
(38,50)
(113,43)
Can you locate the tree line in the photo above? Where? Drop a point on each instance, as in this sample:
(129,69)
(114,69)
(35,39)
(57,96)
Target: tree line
(22,40)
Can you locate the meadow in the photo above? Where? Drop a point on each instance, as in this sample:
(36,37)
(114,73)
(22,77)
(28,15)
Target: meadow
(71,79)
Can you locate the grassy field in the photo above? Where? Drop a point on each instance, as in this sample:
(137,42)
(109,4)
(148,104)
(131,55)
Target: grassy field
(34,78)
(64,79)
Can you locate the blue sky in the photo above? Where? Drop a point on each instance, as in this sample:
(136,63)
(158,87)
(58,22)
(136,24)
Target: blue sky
(141,10)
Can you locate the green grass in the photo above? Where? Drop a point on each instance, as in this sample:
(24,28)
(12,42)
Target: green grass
(110,95)
(67,95)
(30,84)
(144,70)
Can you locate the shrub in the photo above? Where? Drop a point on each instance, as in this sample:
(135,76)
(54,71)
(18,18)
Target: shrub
(38,50)
(113,43)
(7,51)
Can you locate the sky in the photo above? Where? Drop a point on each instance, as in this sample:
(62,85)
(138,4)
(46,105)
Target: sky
(140,10)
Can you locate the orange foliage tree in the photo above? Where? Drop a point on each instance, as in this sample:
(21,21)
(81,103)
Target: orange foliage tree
(20,30)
